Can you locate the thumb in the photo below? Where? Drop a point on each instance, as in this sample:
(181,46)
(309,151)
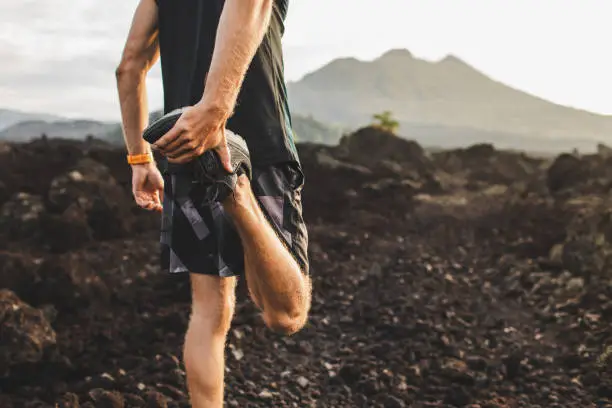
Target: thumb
(160,195)
(224,154)
(170,136)
(159,189)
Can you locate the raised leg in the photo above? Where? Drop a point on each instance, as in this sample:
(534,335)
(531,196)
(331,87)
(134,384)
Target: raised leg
(276,282)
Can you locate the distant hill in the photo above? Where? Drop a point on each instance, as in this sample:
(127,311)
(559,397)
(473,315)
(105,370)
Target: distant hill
(114,133)
(34,125)
(445,103)
(448,95)
(306,129)
(10,117)
(68,129)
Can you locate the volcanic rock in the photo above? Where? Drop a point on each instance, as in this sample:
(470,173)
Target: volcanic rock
(25,334)
(455,278)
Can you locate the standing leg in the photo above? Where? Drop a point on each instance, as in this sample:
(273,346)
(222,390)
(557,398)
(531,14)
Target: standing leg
(213,303)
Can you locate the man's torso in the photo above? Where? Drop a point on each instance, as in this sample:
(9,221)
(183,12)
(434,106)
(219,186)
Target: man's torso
(187,31)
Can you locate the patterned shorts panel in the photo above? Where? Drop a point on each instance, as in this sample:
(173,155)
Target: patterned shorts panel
(201,238)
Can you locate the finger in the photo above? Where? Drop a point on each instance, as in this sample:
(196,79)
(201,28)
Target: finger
(225,156)
(183,158)
(170,136)
(137,198)
(182,150)
(186,155)
(141,203)
(159,207)
(160,194)
(147,202)
(157,198)
(176,144)
(154,205)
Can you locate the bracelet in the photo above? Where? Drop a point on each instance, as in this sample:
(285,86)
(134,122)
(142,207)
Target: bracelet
(139,158)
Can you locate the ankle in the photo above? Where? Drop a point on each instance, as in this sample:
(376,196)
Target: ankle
(241,198)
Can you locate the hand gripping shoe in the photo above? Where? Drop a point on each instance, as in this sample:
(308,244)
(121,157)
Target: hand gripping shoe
(208,168)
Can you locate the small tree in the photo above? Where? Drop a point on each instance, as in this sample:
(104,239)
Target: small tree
(386,121)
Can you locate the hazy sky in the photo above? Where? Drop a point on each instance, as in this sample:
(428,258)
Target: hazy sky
(59,56)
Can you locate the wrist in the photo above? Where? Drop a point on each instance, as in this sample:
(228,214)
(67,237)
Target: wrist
(140,159)
(144,166)
(139,149)
(147,164)
(215,108)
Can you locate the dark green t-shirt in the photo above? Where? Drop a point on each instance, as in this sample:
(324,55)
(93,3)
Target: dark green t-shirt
(187,31)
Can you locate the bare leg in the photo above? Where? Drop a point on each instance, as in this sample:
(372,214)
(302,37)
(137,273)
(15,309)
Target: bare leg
(213,302)
(251,280)
(275,280)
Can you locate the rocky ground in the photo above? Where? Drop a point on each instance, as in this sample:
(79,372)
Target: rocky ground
(466,278)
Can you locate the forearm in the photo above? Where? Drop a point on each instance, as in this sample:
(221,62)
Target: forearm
(141,51)
(131,85)
(242,26)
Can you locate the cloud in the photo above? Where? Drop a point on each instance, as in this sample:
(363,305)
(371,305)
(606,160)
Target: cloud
(59,56)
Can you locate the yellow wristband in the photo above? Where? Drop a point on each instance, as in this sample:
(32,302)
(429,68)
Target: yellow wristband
(139,158)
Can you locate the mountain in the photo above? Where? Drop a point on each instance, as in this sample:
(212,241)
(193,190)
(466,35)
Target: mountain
(10,117)
(68,129)
(114,134)
(445,103)
(447,95)
(306,129)
(55,127)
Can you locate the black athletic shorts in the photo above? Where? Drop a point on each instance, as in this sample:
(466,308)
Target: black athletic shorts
(201,238)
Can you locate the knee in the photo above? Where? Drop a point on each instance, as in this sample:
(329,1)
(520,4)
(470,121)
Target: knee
(284,323)
(213,303)
(214,317)
(293,317)
(214,323)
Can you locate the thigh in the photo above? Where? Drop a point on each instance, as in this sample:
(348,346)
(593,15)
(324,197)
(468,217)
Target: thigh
(278,190)
(197,237)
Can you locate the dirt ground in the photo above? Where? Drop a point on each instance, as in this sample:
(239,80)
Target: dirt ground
(465,278)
